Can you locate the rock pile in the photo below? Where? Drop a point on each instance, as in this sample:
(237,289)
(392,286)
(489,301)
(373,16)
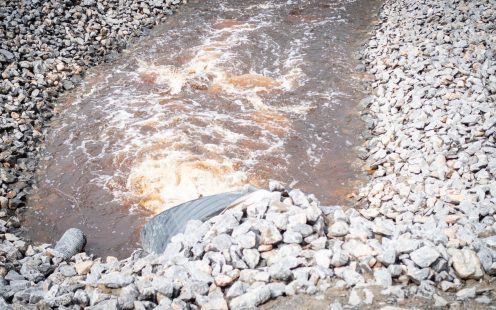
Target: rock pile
(432,152)
(269,244)
(44,48)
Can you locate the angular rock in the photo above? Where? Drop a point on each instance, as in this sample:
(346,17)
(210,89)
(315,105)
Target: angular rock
(424,256)
(292,237)
(251,257)
(269,233)
(467,264)
(383,277)
(466,293)
(251,299)
(323,258)
(339,229)
(116,280)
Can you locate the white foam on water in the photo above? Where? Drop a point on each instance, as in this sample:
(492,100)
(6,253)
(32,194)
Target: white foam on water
(179,177)
(164,170)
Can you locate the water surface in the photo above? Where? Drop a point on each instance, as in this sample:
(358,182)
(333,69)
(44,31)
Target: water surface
(224,94)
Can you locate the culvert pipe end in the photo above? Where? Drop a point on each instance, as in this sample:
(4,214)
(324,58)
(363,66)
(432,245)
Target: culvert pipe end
(158,231)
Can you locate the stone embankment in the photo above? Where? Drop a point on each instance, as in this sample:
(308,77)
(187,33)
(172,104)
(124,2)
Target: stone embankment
(424,226)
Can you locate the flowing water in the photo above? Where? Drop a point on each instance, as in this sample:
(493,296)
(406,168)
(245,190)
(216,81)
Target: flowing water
(224,94)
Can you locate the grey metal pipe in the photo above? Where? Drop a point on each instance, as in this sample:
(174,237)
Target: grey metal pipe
(160,229)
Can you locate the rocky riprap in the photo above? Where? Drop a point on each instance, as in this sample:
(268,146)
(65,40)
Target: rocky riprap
(269,244)
(424,226)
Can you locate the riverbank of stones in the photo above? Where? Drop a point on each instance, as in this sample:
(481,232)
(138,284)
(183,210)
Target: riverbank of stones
(424,226)
(432,152)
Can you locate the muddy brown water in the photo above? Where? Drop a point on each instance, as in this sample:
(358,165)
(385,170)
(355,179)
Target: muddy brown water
(222,95)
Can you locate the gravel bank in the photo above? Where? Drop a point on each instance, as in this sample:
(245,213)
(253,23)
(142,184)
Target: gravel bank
(424,226)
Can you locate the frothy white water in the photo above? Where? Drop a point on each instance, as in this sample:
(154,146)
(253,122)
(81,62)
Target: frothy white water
(179,177)
(165,169)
